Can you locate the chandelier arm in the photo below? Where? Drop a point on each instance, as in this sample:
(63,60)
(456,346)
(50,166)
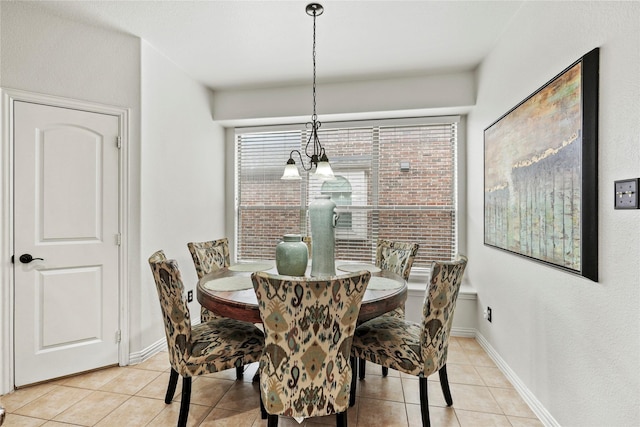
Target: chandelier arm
(317,147)
(311,138)
(301,161)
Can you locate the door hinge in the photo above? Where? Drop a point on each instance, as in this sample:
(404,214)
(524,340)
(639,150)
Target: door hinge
(118,142)
(118,239)
(118,336)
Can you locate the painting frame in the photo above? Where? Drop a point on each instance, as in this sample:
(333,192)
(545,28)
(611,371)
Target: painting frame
(541,173)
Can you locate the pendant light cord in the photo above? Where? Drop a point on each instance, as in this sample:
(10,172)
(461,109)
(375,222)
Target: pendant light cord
(314,124)
(314,116)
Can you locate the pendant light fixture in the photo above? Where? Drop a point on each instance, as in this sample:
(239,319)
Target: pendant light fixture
(313,150)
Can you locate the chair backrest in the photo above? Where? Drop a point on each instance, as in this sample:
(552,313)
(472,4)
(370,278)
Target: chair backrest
(309,324)
(437,311)
(396,257)
(209,256)
(175,312)
(157,257)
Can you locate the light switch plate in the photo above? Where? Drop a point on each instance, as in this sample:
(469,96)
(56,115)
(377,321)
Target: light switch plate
(626,194)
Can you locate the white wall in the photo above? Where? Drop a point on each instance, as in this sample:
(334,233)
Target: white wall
(45,54)
(573,342)
(183,178)
(404,97)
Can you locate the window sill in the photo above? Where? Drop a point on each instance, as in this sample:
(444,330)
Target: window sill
(418,284)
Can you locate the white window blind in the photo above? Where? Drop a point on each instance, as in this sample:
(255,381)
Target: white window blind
(394,180)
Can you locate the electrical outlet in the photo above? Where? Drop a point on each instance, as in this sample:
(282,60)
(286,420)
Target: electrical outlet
(626,194)
(487,314)
(189,296)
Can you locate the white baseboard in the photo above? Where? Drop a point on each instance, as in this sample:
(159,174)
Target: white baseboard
(160,345)
(144,354)
(541,412)
(463,332)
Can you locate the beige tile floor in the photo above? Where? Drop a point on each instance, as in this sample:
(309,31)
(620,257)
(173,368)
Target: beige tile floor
(134,396)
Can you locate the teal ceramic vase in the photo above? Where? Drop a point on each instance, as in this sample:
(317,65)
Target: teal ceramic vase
(323,217)
(292,255)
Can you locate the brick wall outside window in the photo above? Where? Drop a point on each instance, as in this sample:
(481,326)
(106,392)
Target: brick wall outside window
(402,181)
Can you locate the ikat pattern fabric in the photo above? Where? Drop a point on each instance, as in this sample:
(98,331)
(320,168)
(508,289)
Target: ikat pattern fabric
(415,348)
(207,257)
(396,257)
(305,368)
(207,347)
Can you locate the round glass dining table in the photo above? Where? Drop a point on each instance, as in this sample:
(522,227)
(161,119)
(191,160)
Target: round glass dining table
(229,291)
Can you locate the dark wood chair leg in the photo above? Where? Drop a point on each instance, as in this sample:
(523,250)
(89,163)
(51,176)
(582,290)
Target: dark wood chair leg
(424,403)
(444,383)
(263,410)
(272,421)
(171,389)
(239,372)
(186,399)
(361,368)
(354,375)
(341,419)
(385,371)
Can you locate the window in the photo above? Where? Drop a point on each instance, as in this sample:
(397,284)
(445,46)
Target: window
(396,179)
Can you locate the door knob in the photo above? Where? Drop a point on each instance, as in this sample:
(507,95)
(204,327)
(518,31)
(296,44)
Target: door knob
(27,258)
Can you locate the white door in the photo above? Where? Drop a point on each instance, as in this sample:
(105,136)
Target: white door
(66,204)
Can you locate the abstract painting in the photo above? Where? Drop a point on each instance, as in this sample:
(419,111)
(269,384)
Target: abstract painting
(540,173)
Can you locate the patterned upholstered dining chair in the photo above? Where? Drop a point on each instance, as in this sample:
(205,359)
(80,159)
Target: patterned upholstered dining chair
(207,257)
(208,347)
(306,366)
(396,257)
(417,348)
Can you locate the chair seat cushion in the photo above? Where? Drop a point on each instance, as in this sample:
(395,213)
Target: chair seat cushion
(221,344)
(398,312)
(390,342)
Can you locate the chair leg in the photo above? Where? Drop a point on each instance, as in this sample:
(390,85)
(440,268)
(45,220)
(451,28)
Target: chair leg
(354,375)
(263,410)
(171,389)
(239,372)
(424,402)
(272,421)
(385,371)
(186,399)
(444,383)
(361,368)
(341,419)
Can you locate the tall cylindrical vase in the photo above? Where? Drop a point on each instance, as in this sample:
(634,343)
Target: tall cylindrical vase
(323,217)
(292,255)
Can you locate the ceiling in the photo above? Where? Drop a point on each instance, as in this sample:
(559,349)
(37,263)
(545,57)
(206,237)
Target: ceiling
(238,44)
